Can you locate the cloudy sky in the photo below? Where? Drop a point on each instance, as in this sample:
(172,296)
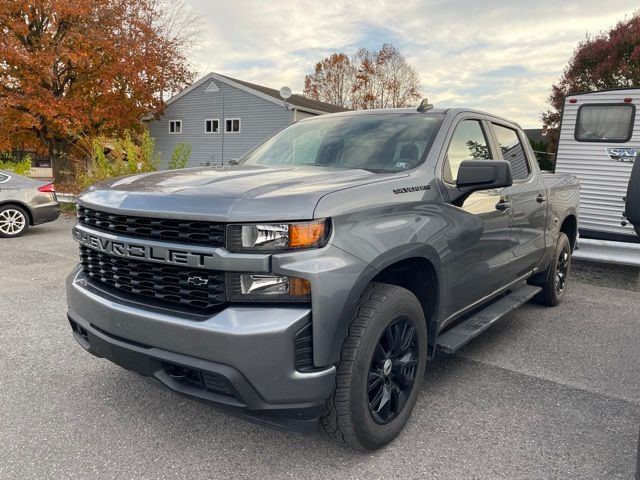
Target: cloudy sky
(496,55)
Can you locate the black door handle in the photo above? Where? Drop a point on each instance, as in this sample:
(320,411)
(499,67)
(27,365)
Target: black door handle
(541,198)
(503,205)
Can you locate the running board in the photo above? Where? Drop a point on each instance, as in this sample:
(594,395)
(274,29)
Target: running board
(454,339)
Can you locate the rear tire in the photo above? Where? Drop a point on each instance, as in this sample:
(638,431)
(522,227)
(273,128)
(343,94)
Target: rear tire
(556,278)
(381,369)
(14,221)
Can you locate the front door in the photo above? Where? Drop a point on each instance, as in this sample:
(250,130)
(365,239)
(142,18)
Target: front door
(477,260)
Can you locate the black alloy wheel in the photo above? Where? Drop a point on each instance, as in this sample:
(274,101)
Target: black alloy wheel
(562,269)
(381,368)
(555,277)
(392,372)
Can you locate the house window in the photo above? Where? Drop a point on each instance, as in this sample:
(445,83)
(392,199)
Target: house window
(232,125)
(612,123)
(211,125)
(175,126)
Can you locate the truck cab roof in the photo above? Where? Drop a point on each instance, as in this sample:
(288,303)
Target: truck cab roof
(413,110)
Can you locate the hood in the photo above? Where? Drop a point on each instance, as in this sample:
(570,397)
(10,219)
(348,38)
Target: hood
(235,193)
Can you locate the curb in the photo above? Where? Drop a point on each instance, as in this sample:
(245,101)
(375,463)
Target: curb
(66,197)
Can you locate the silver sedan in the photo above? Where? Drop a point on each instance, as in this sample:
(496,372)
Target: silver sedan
(25,202)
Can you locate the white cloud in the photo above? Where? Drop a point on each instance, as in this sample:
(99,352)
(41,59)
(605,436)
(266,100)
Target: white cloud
(494,55)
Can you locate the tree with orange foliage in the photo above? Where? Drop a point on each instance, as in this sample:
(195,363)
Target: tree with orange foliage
(76,68)
(370,79)
(332,80)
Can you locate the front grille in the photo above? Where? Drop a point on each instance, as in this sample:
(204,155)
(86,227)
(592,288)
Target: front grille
(166,284)
(185,231)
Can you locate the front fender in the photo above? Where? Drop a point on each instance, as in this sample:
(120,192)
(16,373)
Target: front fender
(337,281)
(393,256)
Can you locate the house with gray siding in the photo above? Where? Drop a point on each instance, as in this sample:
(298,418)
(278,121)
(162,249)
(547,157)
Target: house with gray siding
(222,118)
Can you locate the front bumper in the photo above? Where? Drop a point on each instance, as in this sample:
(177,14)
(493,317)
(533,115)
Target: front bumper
(240,359)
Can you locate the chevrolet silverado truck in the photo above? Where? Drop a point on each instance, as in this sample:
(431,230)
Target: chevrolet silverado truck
(308,284)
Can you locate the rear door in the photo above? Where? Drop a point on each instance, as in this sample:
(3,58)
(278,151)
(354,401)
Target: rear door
(528,198)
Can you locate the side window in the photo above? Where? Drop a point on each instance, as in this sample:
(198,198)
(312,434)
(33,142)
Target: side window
(468,142)
(512,151)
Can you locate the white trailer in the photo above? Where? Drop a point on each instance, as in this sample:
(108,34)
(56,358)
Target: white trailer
(599,142)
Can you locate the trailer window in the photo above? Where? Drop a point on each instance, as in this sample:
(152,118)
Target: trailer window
(512,151)
(605,123)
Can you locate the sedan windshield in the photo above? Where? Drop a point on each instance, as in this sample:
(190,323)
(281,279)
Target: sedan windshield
(375,142)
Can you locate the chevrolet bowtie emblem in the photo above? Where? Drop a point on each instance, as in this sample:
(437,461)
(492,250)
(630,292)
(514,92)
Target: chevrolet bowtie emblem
(198,281)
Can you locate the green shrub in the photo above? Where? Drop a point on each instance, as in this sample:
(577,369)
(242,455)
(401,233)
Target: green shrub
(22,167)
(180,156)
(117,157)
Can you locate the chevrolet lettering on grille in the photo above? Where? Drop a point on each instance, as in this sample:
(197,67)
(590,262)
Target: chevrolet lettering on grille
(139,251)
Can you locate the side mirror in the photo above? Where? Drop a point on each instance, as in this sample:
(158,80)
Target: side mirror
(474,175)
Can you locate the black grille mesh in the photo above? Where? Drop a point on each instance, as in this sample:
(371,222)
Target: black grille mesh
(165,283)
(185,231)
(200,379)
(304,349)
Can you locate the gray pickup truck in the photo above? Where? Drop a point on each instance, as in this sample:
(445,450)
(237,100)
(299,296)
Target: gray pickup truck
(309,284)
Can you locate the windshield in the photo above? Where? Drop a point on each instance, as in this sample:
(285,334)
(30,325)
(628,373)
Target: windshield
(374,142)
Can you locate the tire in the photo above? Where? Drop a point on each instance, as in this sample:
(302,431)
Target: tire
(632,207)
(358,415)
(14,221)
(554,286)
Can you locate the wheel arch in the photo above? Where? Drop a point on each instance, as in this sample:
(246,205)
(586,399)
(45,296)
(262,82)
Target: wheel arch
(419,276)
(23,206)
(569,227)
(387,268)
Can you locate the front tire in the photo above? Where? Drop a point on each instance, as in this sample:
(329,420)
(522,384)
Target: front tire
(14,221)
(381,369)
(556,278)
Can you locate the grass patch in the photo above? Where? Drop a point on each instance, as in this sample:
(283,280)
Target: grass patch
(68,208)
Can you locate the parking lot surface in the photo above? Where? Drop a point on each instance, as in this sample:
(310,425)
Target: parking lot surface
(545,393)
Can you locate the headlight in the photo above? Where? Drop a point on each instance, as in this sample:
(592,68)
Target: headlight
(277,236)
(262,287)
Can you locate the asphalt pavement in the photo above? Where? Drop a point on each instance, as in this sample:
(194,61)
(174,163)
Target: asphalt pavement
(546,393)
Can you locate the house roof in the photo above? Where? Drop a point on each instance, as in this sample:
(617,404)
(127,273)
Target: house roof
(295,99)
(535,135)
(271,94)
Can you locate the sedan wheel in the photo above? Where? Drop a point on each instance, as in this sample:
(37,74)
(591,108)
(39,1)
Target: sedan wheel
(13,222)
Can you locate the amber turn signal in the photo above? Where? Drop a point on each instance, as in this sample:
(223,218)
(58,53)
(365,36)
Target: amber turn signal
(306,234)
(299,287)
